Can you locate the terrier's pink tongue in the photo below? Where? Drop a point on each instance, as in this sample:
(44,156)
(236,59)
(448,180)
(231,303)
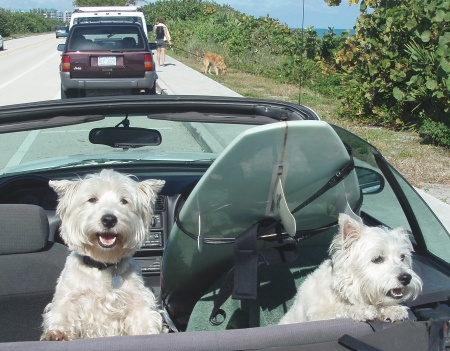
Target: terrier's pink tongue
(108,239)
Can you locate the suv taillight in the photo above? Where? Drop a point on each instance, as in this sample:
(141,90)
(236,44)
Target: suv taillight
(148,62)
(65,63)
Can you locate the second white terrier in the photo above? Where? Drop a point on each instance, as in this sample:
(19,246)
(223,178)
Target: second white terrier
(101,292)
(368,276)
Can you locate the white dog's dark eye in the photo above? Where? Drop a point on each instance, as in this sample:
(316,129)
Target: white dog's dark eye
(402,257)
(123,201)
(93,200)
(378,259)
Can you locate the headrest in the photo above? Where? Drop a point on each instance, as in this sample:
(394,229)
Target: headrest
(23,229)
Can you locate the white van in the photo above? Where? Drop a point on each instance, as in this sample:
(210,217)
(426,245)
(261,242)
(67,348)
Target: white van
(109,13)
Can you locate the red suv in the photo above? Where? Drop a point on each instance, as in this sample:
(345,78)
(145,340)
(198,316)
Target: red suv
(106,59)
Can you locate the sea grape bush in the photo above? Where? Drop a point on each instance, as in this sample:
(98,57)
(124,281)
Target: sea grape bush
(396,69)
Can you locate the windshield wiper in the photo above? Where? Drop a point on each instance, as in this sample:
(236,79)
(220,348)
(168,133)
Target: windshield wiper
(93,161)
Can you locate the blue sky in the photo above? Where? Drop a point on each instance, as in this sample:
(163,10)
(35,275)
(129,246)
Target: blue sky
(317,13)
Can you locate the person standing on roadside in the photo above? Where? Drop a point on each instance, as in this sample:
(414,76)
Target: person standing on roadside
(162,37)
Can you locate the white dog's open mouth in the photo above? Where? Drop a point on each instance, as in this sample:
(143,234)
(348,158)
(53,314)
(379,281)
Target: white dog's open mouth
(107,240)
(396,293)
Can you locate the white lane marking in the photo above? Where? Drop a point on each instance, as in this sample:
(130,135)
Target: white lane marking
(26,72)
(23,149)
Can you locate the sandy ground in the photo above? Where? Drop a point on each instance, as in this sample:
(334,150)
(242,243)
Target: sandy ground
(437,196)
(439,191)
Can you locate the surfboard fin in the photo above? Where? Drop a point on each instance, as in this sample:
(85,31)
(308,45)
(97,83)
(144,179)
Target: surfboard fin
(287,219)
(342,206)
(201,233)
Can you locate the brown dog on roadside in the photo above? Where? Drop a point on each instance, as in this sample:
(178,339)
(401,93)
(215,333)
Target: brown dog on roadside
(213,60)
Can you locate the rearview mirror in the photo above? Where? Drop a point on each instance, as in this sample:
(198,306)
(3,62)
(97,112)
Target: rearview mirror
(125,137)
(370,181)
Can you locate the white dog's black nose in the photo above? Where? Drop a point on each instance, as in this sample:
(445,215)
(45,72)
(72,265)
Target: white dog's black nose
(404,278)
(109,220)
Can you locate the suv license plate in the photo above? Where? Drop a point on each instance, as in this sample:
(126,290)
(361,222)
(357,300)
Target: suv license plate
(107,61)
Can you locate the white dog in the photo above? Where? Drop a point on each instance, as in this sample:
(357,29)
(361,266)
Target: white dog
(101,292)
(368,276)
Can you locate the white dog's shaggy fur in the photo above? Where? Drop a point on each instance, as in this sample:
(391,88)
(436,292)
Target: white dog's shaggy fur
(368,276)
(105,219)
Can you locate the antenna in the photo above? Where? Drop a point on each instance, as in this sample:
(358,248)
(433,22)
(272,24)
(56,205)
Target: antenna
(302,54)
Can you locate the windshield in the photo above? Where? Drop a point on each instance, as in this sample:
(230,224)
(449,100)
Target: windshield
(46,148)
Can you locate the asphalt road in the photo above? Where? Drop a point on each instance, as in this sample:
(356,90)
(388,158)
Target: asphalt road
(29,69)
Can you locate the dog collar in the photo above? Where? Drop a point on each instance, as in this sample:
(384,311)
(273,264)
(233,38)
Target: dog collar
(117,279)
(99,265)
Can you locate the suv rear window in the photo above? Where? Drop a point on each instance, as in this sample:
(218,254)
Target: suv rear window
(106,38)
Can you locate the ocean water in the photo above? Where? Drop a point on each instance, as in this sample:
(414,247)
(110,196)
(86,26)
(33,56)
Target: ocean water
(322,31)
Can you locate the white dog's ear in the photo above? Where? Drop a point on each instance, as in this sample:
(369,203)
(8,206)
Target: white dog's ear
(401,233)
(65,189)
(351,229)
(150,188)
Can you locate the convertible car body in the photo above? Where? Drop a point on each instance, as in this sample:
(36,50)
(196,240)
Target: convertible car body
(231,166)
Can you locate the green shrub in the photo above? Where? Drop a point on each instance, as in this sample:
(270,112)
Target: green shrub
(397,68)
(24,23)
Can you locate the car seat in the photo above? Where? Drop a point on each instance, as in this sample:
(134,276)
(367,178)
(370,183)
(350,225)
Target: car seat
(128,43)
(30,266)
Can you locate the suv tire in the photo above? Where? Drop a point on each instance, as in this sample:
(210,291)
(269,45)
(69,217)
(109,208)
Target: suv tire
(152,90)
(68,94)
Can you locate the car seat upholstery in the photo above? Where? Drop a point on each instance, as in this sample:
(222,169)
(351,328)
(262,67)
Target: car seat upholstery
(30,266)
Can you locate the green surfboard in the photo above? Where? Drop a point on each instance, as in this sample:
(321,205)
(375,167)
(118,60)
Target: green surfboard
(238,190)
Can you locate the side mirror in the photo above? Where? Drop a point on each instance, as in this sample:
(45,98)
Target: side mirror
(61,47)
(370,181)
(125,137)
(149,27)
(152,45)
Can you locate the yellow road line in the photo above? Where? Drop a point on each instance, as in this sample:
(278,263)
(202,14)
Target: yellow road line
(7,52)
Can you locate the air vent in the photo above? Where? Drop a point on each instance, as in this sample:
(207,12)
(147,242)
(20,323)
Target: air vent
(160,204)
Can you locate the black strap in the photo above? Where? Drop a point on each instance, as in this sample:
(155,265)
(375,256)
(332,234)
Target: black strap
(224,293)
(246,264)
(241,280)
(336,179)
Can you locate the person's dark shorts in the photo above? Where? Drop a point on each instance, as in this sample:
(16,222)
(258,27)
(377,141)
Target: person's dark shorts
(160,44)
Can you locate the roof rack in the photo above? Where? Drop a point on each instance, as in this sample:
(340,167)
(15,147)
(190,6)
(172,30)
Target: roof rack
(108,9)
